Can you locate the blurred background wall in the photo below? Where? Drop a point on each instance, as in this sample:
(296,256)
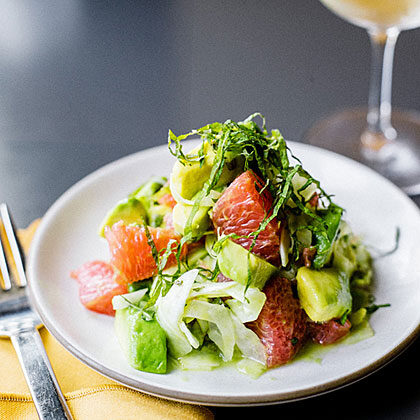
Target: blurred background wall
(91,81)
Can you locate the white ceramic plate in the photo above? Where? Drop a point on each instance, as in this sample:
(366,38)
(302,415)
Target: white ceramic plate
(68,237)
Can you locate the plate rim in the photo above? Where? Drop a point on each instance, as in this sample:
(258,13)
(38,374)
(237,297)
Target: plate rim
(188,397)
(230,401)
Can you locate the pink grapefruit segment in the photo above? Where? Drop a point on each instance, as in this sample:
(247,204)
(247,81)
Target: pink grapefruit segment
(131,253)
(328,332)
(281,325)
(167,200)
(98,285)
(241,209)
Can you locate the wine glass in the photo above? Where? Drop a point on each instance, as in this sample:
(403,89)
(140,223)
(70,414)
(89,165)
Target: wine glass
(387,142)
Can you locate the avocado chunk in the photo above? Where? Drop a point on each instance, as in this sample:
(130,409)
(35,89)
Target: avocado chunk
(237,263)
(148,194)
(156,215)
(200,222)
(143,342)
(324,294)
(152,186)
(187,180)
(129,210)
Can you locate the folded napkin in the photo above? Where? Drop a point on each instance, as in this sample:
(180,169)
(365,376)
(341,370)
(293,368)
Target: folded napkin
(89,395)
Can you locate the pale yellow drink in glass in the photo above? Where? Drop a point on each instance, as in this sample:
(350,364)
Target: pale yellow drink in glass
(378,14)
(391,146)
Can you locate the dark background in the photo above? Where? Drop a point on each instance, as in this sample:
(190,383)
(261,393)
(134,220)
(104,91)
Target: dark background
(83,83)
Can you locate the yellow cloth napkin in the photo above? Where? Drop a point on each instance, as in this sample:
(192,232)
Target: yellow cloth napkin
(89,395)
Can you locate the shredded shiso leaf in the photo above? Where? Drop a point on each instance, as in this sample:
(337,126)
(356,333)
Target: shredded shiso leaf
(267,155)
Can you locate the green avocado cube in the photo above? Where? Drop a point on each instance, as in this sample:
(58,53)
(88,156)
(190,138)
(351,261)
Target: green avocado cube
(143,342)
(149,188)
(129,210)
(323,294)
(187,180)
(200,222)
(238,264)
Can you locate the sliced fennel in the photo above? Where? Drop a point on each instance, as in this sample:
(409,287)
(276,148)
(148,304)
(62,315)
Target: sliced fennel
(210,289)
(187,301)
(302,187)
(246,304)
(128,299)
(210,240)
(248,342)
(221,329)
(203,359)
(285,246)
(251,368)
(247,307)
(170,314)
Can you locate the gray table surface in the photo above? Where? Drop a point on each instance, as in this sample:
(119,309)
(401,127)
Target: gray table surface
(86,82)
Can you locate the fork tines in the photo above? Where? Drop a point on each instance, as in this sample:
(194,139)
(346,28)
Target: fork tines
(11,255)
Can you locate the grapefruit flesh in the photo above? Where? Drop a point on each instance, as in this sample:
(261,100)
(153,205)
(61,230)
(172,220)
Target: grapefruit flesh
(131,253)
(328,332)
(98,285)
(241,209)
(167,200)
(281,324)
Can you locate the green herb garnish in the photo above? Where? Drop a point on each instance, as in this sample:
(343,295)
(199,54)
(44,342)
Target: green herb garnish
(267,155)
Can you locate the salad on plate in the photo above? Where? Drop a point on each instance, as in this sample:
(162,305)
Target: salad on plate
(239,257)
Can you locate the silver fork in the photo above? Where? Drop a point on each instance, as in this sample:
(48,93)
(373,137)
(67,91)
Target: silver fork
(19,322)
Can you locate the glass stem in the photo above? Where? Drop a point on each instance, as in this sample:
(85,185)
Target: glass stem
(379,105)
